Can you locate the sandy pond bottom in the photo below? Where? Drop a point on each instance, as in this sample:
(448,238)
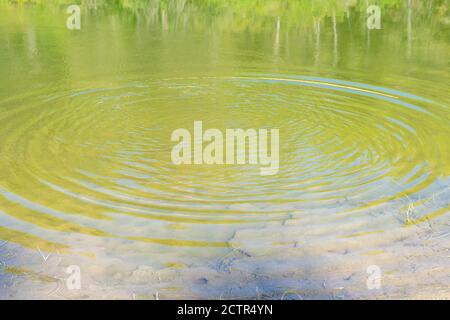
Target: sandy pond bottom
(300,263)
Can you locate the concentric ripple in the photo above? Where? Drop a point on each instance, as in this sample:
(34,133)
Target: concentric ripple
(96,161)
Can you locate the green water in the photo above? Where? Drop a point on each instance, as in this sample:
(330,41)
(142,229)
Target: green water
(86,118)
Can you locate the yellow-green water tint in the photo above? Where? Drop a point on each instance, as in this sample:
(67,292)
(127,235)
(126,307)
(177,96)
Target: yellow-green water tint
(30,274)
(86,118)
(31,241)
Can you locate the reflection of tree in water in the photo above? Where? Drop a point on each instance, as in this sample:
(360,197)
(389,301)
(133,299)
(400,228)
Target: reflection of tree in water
(316,25)
(238,15)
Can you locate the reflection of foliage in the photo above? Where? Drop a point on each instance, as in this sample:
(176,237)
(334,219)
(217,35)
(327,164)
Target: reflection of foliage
(427,18)
(243,14)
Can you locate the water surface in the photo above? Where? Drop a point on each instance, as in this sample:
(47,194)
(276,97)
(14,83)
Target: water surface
(85,169)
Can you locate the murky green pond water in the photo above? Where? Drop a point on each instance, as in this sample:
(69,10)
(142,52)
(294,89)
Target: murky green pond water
(86,175)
